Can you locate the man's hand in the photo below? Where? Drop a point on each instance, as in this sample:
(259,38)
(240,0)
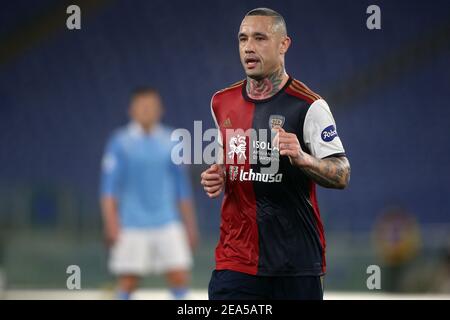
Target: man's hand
(331,172)
(213,180)
(112,230)
(110,219)
(288,145)
(193,237)
(190,222)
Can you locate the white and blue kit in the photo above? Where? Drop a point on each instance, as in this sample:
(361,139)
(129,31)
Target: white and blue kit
(138,172)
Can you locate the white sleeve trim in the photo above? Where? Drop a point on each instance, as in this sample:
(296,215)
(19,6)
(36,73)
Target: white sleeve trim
(319,131)
(219,134)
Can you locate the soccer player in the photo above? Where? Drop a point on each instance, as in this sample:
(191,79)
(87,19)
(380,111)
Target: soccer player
(148,214)
(272,243)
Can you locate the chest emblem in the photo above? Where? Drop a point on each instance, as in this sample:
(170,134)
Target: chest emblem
(237,146)
(276,120)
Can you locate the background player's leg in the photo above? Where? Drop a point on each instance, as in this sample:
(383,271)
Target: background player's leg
(129,260)
(127,285)
(178,281)
(174,258)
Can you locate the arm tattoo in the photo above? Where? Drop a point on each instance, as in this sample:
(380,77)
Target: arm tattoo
(333,172)
(267,87)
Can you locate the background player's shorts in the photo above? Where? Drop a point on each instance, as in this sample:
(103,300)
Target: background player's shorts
(156,250)
(233,285)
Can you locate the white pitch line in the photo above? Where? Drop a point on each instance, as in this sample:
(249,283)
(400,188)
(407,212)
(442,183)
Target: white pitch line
(164,294)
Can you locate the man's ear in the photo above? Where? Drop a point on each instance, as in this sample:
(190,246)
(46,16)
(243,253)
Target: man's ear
(285,44)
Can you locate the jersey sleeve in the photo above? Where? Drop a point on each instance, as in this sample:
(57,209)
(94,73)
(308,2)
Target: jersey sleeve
(219,134)
(320,133)
(112,167)
(220,158)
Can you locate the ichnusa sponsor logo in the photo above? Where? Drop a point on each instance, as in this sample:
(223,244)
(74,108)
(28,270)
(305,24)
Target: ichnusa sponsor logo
(234,174)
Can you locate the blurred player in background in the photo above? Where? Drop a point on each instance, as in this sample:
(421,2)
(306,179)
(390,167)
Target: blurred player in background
(272,243)
(149,221)
(398,241)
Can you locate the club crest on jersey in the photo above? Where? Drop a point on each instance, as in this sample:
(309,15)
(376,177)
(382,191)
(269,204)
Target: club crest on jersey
(233,172)
(237,147)
(276,120)
(329,133)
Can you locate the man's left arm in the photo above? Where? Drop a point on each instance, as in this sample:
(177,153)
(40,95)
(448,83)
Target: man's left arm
(326,163)
(332,172)
(186,205)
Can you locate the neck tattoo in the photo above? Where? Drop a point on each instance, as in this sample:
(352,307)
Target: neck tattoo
(267,87)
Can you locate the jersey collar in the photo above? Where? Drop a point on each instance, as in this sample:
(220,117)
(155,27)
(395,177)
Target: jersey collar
(135,130)
(246,97)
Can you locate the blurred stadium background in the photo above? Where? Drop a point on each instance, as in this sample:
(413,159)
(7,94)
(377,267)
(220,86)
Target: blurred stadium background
(62,92)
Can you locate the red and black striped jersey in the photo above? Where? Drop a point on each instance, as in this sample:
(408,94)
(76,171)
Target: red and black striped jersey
(270,220)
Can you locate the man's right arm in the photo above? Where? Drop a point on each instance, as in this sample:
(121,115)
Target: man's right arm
(213,178)
(110,216)
(110,180)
